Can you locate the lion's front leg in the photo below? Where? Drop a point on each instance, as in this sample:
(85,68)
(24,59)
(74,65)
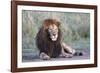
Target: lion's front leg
(44,56)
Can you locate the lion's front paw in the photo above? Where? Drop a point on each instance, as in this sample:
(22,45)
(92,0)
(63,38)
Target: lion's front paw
(44,56)
(66,55)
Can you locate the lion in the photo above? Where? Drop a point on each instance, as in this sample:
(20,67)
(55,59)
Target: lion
(49,41)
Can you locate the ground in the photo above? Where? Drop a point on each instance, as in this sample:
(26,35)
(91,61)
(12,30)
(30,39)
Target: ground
(28,56)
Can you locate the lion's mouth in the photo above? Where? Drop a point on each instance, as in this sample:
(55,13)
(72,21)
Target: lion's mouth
(54,38)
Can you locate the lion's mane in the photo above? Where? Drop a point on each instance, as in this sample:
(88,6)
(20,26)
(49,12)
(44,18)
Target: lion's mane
(43,41)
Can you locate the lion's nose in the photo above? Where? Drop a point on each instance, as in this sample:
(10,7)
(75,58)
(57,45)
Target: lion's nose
(54,34)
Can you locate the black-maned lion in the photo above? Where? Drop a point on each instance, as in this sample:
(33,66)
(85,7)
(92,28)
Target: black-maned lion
(49,42)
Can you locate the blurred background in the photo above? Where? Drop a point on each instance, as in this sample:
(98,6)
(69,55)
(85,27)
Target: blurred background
(75,29)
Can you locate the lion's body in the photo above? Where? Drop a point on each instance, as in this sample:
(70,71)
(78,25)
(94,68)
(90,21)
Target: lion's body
(48,41)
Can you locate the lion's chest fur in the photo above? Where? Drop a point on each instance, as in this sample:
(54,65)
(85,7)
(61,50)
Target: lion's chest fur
(53,49)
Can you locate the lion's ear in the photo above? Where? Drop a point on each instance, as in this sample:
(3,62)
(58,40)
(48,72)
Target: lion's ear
(45,26)
(58,23)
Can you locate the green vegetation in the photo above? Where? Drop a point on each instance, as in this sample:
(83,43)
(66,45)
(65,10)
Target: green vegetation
(75,28)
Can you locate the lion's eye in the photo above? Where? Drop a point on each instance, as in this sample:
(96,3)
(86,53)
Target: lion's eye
(56,30)
(50,29)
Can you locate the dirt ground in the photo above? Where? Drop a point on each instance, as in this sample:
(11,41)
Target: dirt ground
(28,56)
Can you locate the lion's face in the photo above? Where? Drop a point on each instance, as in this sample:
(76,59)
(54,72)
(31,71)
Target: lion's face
(53,32)
(52,27)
